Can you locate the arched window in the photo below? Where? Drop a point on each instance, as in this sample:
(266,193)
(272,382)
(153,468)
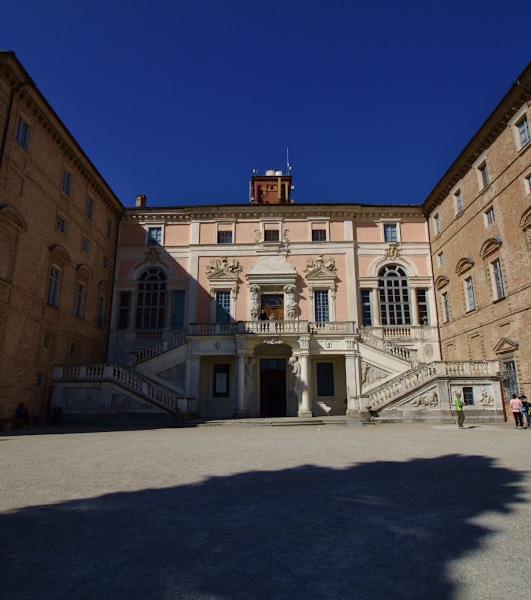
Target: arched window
(393,287)
(151,299)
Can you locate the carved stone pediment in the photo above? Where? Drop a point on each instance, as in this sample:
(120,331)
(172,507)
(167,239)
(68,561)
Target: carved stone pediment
(223,268)
(441,282)
(506,345)
(320,267)
(489,246)
(464,264)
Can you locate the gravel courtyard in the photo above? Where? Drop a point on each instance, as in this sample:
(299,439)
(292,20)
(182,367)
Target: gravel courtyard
(280,512)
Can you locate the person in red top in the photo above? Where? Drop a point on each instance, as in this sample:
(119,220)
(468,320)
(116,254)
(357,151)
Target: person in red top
(516,403)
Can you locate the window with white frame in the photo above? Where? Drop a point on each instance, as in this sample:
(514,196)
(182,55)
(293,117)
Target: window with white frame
(53,287)
(523,131)
(436,223)
(66,183)
(499,290)
(224,237)
(271,235)
(390,231)
(422,306)
(154,236)
(446,307)
(223,306)
(321,306)
(483,174)
(527,179)
(89,208)
(393,288)
(469,294)
(151,299)
(490,217)
(318,235)
(124,301)
(440,257)
(458,201)
(80,299)
(23,133)
(366,307)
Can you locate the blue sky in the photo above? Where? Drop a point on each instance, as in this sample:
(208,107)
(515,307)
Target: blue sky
(180,100)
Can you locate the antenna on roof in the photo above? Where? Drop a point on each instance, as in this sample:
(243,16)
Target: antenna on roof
(287,161)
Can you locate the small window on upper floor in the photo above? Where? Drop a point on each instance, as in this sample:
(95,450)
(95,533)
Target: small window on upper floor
(89,208)
(527,183)
(271,235)
(390,232)
(497,275)
(446,307)
(483,175)
(458,202)
(523,132)
(436,224)
(440,256)
(154,236)
(85,245)
(66,183)
(23,133)
(318,235)
(62,223)
(224,237)
(108,231)
(490,217)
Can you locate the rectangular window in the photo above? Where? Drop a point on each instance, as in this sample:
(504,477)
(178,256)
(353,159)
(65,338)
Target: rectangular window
(322,312)
(80,300)
(89,208)
(124,301)
(325,379)
(220,384)
(523,132)
(422,306)
(390,232)
(469,294)
(436,224)
(47,340)
(73,348)
(105,262)
(66,183)
(224,237)
(154,236)
(101,311)
(458,201)
(366,307)
(53,290)
(23,133)
(528,184)
(271,235)
(490,217)
(108,231)
(468,396)
(510,379)
(440,256)
(177,309)
(498,279)
(484,174)
(40,379)
(223,307)
(85,245)
(318,235)
(61,223)
(446,307)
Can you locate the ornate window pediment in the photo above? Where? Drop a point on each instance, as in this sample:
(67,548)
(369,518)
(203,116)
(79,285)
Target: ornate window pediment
(441,282)
(59,253)
(525,220)
(505,345)
(84,272)
(13,217)
(490,246)
(463,265)
(320,268)
(223,268)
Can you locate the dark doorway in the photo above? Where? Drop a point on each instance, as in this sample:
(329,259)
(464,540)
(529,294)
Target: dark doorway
(274,306)
(273,387)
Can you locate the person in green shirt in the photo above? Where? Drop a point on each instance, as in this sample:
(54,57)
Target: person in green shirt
(459,408)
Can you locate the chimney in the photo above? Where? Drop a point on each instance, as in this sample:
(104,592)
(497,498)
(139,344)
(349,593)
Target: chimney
(140,201)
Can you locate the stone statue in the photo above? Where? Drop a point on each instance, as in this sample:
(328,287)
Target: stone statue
(249,380)
(289,302)
(254,302)
(430,399)
(485,399)
(296,376)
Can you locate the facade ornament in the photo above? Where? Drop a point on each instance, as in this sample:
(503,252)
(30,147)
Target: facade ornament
(428,400)
(315,264)
(485,398)
(296,376)
(289,302)
(153,255)
(258,236)
(273,341)
(370,374)
(229,265)
(393,251)
(254,302)
(174,374)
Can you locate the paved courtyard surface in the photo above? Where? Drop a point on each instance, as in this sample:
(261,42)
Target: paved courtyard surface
(241,512)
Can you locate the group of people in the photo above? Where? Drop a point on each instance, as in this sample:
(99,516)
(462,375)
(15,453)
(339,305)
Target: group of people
(520,407)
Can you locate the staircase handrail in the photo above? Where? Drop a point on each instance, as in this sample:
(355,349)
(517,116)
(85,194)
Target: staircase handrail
(160,347)
(381,344)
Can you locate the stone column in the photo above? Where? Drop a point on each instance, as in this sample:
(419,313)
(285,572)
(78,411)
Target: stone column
(375,308)
(240,379)
(352,372)
(305,407)
(414,307)
(192,377)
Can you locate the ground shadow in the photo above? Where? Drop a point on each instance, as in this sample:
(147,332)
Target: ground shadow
(385,530)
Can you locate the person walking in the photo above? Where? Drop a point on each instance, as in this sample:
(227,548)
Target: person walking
(525,408)
(516,404)
(459,409)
